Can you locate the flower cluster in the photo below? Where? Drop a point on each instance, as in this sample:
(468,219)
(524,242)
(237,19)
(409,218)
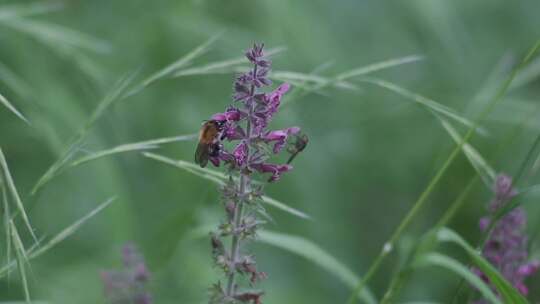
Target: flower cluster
(246,124)
(127,286)
(247,121)
(506,248)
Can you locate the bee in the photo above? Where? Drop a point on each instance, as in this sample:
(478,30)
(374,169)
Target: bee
(209,145)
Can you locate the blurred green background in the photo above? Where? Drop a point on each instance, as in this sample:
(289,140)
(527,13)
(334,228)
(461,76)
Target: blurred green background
(371,152)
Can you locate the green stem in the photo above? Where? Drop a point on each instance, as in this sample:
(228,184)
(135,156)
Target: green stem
(245,184)
(235,245)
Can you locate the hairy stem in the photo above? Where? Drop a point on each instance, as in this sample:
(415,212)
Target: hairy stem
(235,246)
(245,185)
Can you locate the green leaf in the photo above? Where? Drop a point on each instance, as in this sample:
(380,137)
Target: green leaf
(26,10)
(485,171)
(57,36)
(378,66)
(527,75)
(21,259)
(7,220)
(14,193)
(312,252)
(339,81)
(429,103)
(303,248)
(116,94)
(181,62)
(10,107)
(138,146)
(70,230)
(36,251)
(508,293)
(437,259)
(219,178)
(222,67)
(312,79)
(14,82)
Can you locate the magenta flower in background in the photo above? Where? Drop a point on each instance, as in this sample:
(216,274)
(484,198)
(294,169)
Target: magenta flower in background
(506,248)
(128,285)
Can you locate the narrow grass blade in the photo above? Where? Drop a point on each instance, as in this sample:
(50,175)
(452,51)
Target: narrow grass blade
(55,168)
(279,205)
(378,66)
(115,150)
(10,107)
(115,94)
(436,259)
(21,259)
(429,103)
(26,10)
(211,175)
(70,230)
(36,251)
(316,80)
(19,302)
(181,62)
(219,178)
(527,75)
(14,82)
(138,146)
(339,81)
(485,171)
(55,35)
(506,290)
(221,67)
(7,220)
(15,194)
(312,252)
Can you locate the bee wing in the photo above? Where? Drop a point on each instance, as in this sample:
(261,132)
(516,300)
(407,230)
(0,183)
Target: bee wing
(201,154)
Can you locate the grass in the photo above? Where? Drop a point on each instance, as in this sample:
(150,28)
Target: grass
(417,206)
(359,167)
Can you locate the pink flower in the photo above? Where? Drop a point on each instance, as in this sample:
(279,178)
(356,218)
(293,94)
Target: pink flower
(240,154)
(275,169)
(280,137)
(231,114)
(273,99)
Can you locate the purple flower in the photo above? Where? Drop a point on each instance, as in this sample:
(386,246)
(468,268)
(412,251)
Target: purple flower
(232,114)
(280,137)
(275,169)
(232,131)
(241,154)
(506,248)
(128,284)
(256,56)
(273,99)
(246,124)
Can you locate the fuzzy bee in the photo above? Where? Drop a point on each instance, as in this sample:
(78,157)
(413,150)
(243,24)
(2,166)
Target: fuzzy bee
(209,145)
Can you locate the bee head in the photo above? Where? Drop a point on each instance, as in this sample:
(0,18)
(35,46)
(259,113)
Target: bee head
(219,124)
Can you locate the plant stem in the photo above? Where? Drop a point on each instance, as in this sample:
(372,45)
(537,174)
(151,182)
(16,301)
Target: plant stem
(245,185)
(235,246)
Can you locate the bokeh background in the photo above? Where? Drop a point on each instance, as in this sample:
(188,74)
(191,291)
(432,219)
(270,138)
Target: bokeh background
(371,151)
